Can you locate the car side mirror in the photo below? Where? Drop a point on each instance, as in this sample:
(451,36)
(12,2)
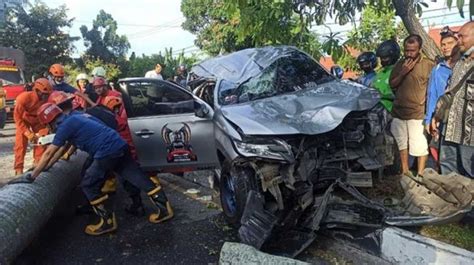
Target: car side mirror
(337,71)
(200,109)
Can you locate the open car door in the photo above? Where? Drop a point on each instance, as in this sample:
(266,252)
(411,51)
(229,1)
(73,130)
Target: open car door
(166,131)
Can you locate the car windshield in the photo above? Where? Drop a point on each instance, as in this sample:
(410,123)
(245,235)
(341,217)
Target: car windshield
(10,77)
(294,72)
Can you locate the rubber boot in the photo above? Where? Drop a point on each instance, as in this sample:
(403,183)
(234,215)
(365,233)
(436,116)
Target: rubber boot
(110,185)
(107,222)
(155,180)
(136,208)
(165,212)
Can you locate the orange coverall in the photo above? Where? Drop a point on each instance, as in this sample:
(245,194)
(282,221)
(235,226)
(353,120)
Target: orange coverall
(26,121)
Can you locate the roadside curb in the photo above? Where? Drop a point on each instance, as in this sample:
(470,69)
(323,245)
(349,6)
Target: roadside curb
(403,247)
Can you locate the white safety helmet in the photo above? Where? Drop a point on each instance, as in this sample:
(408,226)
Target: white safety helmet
(98,71)
(82,76)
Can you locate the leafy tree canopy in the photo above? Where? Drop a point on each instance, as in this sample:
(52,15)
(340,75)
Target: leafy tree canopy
(139,65)
(222,27)
(40,32)
(313,12)
(102,40)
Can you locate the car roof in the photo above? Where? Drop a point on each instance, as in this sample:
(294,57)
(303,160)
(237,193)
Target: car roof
(239,66)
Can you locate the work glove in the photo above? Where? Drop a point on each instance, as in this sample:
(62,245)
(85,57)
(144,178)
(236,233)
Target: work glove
(32,138)
(25,178)
(66,156)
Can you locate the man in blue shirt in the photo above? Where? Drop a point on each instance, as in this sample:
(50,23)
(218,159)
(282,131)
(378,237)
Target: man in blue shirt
(367,62)
(109,153)
(438,83)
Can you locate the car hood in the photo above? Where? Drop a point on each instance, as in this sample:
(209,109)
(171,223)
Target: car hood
(311,111)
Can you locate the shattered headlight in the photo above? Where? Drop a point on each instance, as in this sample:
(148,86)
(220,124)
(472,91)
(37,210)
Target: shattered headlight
(278,150)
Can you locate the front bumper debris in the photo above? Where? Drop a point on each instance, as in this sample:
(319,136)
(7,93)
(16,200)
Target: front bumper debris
(343,208)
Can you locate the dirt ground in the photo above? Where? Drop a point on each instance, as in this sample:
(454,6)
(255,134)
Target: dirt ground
(7,141)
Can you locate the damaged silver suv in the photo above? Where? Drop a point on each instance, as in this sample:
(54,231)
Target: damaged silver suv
(271,120)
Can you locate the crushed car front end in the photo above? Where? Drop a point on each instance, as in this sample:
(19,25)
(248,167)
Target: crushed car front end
(296,130)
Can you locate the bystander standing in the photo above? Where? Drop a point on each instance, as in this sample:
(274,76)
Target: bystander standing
(409,81)
(456,109)
(156,73)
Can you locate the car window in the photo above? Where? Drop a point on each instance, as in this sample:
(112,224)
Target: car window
(157,98)
(288,74)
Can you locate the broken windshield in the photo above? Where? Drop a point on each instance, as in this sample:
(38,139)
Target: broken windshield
(294,72)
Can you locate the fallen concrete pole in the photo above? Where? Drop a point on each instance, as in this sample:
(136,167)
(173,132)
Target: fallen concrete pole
(25,208)
(237,253)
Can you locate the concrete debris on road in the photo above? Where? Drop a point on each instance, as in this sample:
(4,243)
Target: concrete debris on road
(236,253)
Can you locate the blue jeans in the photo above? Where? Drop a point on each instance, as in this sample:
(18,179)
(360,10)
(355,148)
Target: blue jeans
(456,158)
(123,165)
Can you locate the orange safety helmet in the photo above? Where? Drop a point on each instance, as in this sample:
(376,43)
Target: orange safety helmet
(112,102)
(57,70)
(99,81)
(59,97)
(43,85)
(48,112)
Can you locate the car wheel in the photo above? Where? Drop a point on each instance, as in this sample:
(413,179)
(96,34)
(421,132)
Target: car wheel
(234,186)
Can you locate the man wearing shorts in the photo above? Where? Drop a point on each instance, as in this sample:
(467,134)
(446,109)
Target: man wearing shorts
(409,81)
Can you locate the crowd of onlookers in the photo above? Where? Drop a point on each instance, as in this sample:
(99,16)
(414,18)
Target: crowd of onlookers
(431,103)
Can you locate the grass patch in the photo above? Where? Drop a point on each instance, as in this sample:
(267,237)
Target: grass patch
(460,235)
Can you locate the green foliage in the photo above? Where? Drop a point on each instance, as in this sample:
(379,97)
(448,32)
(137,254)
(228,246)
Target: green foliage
(460,6)
(113,71)
(40,32)
(376,25)
(225,26)
(139,65)
(102,40)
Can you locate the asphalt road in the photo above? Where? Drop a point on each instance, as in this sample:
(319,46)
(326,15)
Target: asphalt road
(7,141)
(194,236)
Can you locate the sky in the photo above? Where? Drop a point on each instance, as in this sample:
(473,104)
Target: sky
(153,25)
(150,25)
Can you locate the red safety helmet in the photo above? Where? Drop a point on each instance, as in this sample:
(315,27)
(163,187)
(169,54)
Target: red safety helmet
(43,85)
(59,97)
(48,112)
(99,81)
(57,70)
(112,102)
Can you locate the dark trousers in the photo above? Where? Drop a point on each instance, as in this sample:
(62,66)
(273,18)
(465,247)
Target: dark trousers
(456,158)
(126,169)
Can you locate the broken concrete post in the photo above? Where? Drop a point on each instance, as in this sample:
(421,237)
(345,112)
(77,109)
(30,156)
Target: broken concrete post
(237,253)
(25,208)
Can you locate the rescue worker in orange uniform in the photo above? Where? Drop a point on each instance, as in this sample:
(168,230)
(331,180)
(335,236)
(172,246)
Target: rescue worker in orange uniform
(103,90)
(28,127)
(57,75)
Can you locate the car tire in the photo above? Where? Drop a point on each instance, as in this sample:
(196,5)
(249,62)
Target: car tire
(234,185)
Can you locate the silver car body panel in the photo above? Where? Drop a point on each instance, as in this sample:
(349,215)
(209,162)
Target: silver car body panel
(312,111)
(151,133)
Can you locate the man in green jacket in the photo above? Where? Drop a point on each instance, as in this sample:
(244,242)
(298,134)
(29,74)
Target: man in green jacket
(389,53)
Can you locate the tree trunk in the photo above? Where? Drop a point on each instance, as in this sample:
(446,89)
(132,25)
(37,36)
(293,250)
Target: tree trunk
(406,11)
